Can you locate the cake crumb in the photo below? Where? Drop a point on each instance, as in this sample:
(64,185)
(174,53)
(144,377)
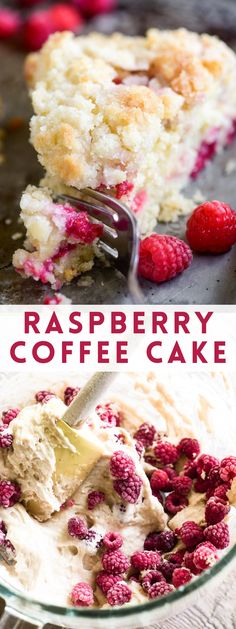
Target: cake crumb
(85,282)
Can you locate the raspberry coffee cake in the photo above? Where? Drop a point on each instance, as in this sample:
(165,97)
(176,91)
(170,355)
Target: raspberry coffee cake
(138,117)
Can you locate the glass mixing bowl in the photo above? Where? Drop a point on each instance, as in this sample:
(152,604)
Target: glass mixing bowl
(22,606)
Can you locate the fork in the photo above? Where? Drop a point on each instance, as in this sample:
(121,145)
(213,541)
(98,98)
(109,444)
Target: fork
(120,238)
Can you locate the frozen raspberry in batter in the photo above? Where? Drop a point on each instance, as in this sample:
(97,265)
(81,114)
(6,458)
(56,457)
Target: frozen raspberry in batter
(8,416)
(181,576)
(191,534)
(182,485)
(146,434)
(228,468)
(77,527)
(216,510)
(189,447)
(82,595)
(160,589)
(121,465)
(119,594)
(70,394)
(205,556)
(105,580)
(218,534)
(146,559)
(166,452)
(128,489)
(10,493)
(112,540)
(115,562)
(175,503)
(151,577)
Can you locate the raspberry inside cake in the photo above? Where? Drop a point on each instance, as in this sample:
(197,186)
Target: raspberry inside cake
(138,117)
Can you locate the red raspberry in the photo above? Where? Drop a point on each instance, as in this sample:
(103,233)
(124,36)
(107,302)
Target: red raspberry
(211,227)
(175,503)
(80,228)
(129,489)
(115,562)
(205,556)
(202,486)
(190,533)
(65,18)
(151,577)
(160,589)
(10,493)
(167,568)
(112,540)
(216,510)
(119,594)
(177,557)
(121,465)
(162,257)
(218,534)
(181,576)
(189,563)
(124,188)
(190,469)
(94,499)
(67,504)
(221,492)
(8,416)
(94,7)
(146,434)
(146,559)
(69,394)
(166,452)
(43,397)
(77,527)
(139,448)
(189,448)
(159,480)
(205,463)
(9,23)
(105,581)
(6,440)
(164,541)
(182,485)
(82,595)
(151,541)
(37,28)
(228,468)
(109,414)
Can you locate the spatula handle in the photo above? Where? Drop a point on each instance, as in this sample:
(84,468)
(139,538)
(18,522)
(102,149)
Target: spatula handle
(87,398)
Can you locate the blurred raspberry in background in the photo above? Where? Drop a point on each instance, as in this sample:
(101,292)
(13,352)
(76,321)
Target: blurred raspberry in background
(30,22)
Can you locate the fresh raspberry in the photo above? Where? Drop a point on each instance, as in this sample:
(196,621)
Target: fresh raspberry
(10,23)
(37,28)
(159,481)
(7,552)
(204,464)
(205,556)
(151,577)
(182,485)
(65,18)
(189,448)
(211,227)
(109,414)
(77,527)
(190,469)
(139,448)
(216,510)
(166,452)
(146,434)
(69,394)
(214,477)
(123,189)
(175,503)
(177,557)
(181,576)
(189,563)
(105,581)
(164,541)
(202,486)
(115,562)
(95,7)
(121,465)
(82,595)
(6,440)
(119,594)
(8,416)
(129,489)
(218,535)
(167,568)
(221,491)
(146,559)
(162,257)
(112,540)
(171,473)
(190,533)
(228,468)
(160,589)
(43,397)
(80,228)
(94,499)
(10,493)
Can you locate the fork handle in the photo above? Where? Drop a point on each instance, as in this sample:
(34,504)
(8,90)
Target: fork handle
(86,399)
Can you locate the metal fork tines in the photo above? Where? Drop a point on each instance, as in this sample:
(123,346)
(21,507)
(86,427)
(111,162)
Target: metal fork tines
(120,238)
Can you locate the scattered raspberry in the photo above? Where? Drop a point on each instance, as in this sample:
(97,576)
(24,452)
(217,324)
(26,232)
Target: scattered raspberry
(129,489)
(218,535)
(9,23)
(43,397)
(121,465)
(177,557)
(115,562)
(112,540)
(139,448)
(175,503)
(8,416)
(164,541)
(82,595)
(77,527)
(159,481)
(94,499)
(67,504)
(160,589)
(145,559)
(6,440)
(10,493)
(146,434)
(95,7)
(216,510)
(182,485)
(166,452)
(204,464)
(151,577)
(105,581)
(221,492)
(189,563)
(205,556)
(181,576)
(65,18)
(167,568)
(190,533)
(189,448)
(162,257)
(69,394)
(109,414)
(123,189)
(228,468)
(80,228)
(211,227)
(119,594)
